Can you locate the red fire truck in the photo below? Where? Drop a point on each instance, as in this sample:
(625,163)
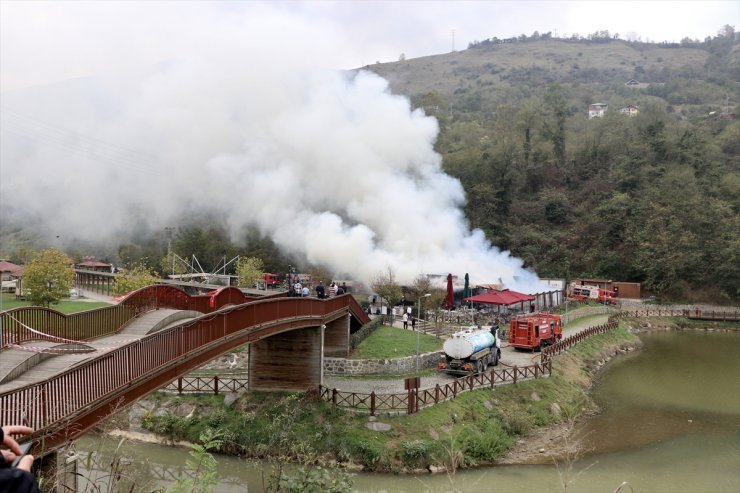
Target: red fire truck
(584,292)
(535,331)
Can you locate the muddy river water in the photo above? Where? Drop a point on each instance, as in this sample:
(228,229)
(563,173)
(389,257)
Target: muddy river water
(670,422)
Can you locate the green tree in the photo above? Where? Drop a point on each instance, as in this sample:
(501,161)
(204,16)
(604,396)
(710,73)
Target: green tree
(554,127)
(48,277)
(170,264)
(249,270)
(136,277)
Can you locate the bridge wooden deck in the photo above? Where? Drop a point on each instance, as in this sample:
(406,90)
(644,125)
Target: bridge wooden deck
(37,361)
(64,405)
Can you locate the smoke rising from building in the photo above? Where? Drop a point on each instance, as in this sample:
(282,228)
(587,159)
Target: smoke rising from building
(332,166)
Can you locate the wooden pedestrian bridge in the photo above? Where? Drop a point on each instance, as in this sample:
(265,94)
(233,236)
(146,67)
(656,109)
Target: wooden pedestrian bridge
(62,374)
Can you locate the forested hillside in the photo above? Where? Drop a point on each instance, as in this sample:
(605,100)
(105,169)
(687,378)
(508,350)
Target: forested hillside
(653,198)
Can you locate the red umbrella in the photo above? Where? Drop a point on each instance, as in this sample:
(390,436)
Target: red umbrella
(450,299)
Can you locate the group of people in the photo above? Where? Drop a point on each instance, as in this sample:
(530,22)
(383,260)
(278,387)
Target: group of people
(334,290)
(297,289)
(407,315)
(15,467)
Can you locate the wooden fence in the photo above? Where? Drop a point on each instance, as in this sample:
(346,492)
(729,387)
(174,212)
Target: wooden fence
(415,399)
(564,344)
(208,384)
(691,313)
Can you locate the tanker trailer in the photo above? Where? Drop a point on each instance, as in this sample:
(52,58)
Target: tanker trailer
(471,350)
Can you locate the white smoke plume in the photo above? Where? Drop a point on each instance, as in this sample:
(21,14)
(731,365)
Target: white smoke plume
(330,165)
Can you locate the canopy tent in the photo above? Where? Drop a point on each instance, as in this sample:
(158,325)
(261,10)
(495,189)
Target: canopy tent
(504,297)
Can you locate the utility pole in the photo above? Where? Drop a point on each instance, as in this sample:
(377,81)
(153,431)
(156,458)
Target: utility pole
(169,231)
(418,328)
(453,40)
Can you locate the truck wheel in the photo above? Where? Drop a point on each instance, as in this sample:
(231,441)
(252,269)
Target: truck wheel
(496,357)
(479,366)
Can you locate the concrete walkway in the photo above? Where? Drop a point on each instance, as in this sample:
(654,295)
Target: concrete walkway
(87,295)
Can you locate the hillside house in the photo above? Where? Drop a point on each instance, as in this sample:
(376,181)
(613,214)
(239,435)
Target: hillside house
(11,277)
(597,110)
(632,83)
(9,271)
(630,110)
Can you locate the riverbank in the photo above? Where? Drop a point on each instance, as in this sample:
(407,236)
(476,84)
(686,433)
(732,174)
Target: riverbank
(527,423)
(581,365)
(561,441)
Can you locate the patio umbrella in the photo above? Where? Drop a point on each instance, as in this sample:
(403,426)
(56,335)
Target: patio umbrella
(466,289)
(450,299)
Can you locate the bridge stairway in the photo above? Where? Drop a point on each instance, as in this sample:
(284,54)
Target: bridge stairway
(20,367)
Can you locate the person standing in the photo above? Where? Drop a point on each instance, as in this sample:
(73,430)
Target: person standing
(305,292)
(405,321)
(333,289)
(413,323)
(320,290)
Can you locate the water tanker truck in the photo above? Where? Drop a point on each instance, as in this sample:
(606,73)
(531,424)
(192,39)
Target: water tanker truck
(471,351)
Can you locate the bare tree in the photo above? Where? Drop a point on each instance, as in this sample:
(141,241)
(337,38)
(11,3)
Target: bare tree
(384,283)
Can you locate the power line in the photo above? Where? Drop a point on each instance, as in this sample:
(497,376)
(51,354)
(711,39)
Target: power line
(74,142)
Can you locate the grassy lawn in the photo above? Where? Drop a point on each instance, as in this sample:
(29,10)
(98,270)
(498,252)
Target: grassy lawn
(388,342)
(9,302)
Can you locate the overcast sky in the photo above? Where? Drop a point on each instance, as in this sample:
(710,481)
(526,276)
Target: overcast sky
(48,41)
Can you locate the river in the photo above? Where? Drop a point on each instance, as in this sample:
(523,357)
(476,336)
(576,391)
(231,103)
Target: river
(670,423)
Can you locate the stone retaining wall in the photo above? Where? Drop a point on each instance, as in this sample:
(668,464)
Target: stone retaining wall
(348,367)
(577,313)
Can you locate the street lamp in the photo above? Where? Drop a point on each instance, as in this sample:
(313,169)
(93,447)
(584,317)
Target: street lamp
(418,327)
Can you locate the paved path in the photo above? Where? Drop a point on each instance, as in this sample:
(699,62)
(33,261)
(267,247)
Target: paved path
(509,356)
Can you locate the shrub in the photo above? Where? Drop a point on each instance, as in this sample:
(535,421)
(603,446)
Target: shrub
(486,443)
(415,453)
(369,453)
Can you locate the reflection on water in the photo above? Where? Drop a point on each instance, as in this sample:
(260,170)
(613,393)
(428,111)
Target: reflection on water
(671,423)
(682,383)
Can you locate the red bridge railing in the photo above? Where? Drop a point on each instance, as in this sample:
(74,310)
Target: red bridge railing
(69,403)
(38,323)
